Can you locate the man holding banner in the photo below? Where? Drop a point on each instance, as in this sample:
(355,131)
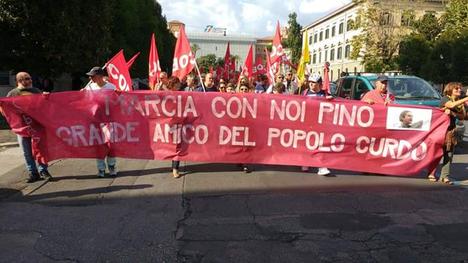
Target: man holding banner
(24,87)
(96,75)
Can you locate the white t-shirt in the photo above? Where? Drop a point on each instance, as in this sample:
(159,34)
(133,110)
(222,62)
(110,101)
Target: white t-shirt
(94,86)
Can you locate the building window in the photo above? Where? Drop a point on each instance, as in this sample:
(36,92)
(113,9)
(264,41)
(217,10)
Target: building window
(315,38)
(347,51)
(332,54)
(321,36)
(339,52)
(327,33)
(326,55)
(350,25)
(320,57)
(314,58)
(407,18)
(385,18)
(357,22)
(333,31)
(340,28)
(310,39)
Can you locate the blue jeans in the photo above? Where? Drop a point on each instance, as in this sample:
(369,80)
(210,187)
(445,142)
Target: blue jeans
(25,144)
(101,163)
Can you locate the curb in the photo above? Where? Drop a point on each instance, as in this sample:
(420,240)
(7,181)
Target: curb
(9,144)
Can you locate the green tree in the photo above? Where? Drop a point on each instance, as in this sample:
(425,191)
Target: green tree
(207,61)
(428,26)
(379,42)
(414,53)
(49,37)
(294,39)
(455,18)
(195,48)
(133,24)
(448,60)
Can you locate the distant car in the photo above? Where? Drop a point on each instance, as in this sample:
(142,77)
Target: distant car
(406,89)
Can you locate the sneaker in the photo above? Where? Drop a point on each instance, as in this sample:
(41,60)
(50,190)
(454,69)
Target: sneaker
(323,171)
(46,175)
(246,169)
(305,168)
(175,173)
(34,176)
(101,173)
(112,171)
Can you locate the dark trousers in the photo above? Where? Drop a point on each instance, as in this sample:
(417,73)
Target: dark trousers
(175,165)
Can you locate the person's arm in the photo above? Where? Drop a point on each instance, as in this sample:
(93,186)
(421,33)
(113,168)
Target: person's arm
(367,99)
(453,104)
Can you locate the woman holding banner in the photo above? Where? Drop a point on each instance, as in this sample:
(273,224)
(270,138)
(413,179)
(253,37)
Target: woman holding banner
(174,84)
(453,106)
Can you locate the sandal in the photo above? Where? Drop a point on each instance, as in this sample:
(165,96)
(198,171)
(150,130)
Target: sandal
(447,181)
(432,178)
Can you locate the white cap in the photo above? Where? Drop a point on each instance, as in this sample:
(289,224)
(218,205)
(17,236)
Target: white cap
(315,78)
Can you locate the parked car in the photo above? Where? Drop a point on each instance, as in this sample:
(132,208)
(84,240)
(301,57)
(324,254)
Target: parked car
(406,89)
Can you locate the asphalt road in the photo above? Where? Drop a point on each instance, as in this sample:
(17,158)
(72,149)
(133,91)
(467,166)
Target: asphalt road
(216,213)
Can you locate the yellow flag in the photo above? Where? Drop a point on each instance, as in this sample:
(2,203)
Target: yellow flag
(305,58)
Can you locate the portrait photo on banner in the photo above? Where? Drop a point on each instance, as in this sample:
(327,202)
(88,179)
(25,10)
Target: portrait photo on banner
(399,118)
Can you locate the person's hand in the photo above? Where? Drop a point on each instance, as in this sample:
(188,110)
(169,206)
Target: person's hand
(447,111)
(329,97)
(370,101)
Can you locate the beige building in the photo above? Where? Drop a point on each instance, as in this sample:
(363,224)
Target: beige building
(330,36)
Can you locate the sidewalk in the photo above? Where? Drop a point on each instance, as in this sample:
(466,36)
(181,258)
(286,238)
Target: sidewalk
(7,139)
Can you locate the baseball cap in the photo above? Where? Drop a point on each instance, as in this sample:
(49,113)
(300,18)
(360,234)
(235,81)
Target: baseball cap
(95,71)
(315,78)
(382,78)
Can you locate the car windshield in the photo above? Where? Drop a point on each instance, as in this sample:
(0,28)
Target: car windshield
(410,88)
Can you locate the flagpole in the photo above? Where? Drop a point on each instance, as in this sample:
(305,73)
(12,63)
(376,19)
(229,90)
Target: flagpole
(199,75)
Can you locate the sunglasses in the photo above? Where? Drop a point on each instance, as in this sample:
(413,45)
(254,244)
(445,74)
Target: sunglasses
(26,78)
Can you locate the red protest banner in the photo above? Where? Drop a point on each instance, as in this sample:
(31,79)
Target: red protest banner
(240,128)
(184,60)
(117,70)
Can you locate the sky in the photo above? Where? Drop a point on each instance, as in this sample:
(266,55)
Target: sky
(252,17)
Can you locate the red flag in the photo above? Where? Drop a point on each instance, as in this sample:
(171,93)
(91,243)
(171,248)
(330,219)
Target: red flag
(247,69)
(276,49)
(117,70)
(229,64)
(269,69)
(259,68)
(130,62)
(184,60)
(326,79)
(219,72)
(154,67)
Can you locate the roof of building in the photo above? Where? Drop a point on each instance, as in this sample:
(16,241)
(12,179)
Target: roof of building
(268,38)
(220,36)
(329,15)
(175,22)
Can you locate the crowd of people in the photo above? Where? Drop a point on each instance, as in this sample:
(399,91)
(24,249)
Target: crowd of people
(452,104)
